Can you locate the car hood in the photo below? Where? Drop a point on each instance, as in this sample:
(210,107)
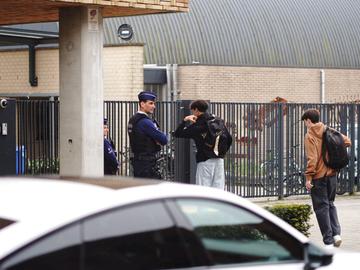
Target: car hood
(343,260)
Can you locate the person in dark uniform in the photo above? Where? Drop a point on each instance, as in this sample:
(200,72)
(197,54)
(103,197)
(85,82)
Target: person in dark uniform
(111,163)
(145,138)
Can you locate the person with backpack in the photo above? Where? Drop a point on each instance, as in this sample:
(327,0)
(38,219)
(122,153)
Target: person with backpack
(212,141)
(146,138)
(326,153)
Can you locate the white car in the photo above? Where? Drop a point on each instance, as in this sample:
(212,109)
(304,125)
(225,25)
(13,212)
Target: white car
(53,224)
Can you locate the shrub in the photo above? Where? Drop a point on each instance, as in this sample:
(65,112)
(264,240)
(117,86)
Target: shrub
(40,166)
(297,215)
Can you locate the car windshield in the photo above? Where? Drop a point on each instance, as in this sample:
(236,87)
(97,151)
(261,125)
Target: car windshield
(5,222)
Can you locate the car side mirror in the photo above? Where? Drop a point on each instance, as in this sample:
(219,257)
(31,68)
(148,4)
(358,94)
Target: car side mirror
(316,257)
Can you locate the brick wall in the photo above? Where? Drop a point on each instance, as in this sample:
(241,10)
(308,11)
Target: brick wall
(123,72)
(255,84)
(14,72)
(123,78)
(342,85)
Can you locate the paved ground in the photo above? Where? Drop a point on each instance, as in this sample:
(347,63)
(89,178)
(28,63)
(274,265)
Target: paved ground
(348,208)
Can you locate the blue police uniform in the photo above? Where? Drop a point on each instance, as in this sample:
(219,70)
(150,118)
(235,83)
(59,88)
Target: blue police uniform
(145,140)
(111,163)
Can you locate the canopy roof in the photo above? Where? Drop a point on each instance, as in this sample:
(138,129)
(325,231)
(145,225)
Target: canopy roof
(27,11)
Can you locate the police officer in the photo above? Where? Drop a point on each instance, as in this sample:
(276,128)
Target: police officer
(145,138)
(111,163)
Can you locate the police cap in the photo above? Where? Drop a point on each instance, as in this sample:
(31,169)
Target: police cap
(146,95)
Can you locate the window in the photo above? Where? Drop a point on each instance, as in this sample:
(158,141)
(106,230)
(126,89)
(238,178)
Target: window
(137,237)
(233,235)
(57,251)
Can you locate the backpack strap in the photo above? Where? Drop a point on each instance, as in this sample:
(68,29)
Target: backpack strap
(323,148)
(208,118)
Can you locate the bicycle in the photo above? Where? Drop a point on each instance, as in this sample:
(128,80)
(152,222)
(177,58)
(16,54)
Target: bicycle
(293,179)
(343,180)
(165,166)
(124,160)
(165,163)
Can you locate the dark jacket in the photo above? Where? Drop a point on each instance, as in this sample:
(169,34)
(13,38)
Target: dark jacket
(196,131)
(145,135)
(110,161)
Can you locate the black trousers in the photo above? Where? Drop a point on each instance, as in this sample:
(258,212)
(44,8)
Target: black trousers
(323,197)
(145,169)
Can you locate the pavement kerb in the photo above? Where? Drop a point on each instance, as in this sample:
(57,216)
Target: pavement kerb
(300,199)
(348,207)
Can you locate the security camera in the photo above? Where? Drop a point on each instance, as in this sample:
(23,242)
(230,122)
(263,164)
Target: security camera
(3,103)
(125,32)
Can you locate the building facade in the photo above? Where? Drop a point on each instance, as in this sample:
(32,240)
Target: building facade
(229,50)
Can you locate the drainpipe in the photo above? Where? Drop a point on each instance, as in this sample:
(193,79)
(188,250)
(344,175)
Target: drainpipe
(32,63)
(322,86)
(174,82)
(168,83)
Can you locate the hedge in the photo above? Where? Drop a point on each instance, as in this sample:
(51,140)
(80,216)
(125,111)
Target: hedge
(297,215)
(38,166)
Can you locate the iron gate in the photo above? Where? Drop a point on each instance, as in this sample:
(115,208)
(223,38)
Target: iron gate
(266,159)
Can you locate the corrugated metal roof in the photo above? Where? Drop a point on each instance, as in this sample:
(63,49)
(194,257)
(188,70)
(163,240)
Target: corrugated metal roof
(307,33)
(286,33)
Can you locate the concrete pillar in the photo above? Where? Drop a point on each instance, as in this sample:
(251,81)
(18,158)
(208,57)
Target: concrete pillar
(81,91)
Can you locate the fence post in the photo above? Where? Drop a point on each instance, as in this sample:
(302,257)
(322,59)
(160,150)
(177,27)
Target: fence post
(352,151)
(357,148)
(185,163)
(280,141)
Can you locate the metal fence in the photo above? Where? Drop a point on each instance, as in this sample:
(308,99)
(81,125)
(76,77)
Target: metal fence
(266,159)
(37,137)
(119,112)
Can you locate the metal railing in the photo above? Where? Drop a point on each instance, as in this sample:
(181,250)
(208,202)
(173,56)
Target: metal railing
(119,112)
(37,137)
(266,159)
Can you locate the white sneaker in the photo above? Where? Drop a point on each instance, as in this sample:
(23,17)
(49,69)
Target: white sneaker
(337,241)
